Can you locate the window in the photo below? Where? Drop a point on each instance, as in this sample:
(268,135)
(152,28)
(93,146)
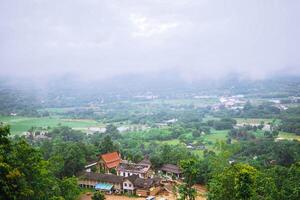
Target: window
(129,185)
(125,184)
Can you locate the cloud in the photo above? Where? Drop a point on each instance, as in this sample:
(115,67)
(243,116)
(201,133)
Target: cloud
(147,28)
(197,39)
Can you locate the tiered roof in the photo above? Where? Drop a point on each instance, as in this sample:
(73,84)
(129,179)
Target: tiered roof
(111,160)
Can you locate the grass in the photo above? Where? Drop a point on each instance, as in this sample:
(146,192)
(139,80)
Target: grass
(216,136)
(253,120)
(213,138)
(259,133)
(20,124)
(288,136)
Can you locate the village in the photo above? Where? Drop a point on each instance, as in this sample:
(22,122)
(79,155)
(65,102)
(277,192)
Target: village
(122,179)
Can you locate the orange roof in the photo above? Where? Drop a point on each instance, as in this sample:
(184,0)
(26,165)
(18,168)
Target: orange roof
(111,160)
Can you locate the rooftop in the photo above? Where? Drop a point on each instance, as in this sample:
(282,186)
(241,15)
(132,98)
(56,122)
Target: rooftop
(134,168)
(145,161)
(111,160)
(103,186)
(143,183)
(102,178)
(171,168)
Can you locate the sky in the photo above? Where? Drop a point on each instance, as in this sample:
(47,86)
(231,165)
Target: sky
(194,39)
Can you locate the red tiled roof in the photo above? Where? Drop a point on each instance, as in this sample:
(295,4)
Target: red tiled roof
(111,160)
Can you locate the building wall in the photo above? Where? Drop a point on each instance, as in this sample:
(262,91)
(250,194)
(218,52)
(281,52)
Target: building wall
(126,174)
(127,185)
(91,183)
(88,170)
(88,183)
(171,174)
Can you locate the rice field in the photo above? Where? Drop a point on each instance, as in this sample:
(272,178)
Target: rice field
(21,124)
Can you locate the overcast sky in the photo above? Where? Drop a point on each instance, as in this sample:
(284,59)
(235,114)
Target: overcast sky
(96,39)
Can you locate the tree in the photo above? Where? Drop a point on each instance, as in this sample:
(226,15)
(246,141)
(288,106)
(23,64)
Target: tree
(23,173)
(112,131)
(107,145)
(4,133)
(266,187)
(236,182)
(98,196)
(72,157)
(69,188)
(196,133)
(186,192)
(67,134)
(244,183)
(190,172)
(291,184)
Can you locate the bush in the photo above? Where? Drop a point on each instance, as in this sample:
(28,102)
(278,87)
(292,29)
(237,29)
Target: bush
(98,196)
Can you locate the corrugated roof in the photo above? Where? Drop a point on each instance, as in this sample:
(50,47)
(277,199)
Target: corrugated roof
(145,161)
(103,186)
(142,183)
(134,168)
(171,168)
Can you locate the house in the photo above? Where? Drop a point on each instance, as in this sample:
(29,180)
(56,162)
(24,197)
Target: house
(145,161)
(171,170)
(37,135)
(171,121)
(92,130)
(104,182)
(128,169)
(267,127)
(90,165)
(146,187)
(110,161)
(122,129)
(128,184)
(41,137)
(140,186)
(111,183)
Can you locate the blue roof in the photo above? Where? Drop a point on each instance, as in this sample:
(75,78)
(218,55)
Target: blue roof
(103,186)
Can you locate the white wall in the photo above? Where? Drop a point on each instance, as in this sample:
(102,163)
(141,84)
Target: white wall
(127,185)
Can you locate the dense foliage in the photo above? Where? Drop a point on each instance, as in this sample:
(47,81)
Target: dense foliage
(291,120)
(261,169)
(98,196)
(24,174)
(265,110)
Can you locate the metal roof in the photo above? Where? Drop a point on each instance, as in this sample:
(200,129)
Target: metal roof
(103,186)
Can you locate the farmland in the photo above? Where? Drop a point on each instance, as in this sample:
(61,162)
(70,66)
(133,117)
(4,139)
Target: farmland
(21,124)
